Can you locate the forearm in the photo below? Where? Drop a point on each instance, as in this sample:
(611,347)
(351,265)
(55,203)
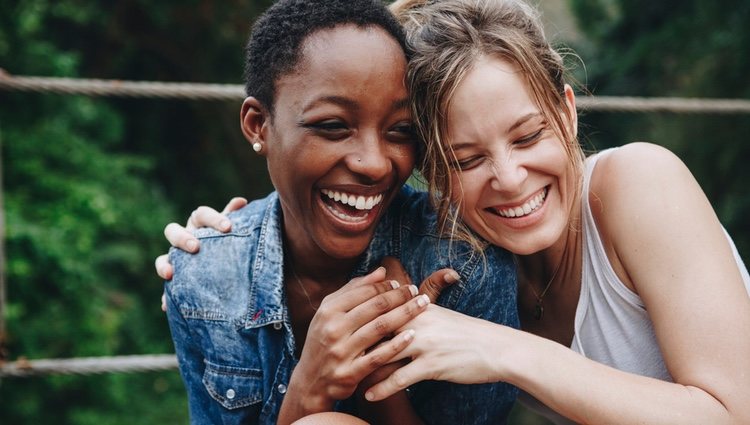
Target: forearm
(589,392)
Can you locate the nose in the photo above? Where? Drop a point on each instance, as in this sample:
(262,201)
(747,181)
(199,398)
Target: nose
(508,175)
(369,157)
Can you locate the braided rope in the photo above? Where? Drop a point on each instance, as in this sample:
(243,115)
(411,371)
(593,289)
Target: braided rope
(89,365)
(235,92)
(663,104)
(119,88)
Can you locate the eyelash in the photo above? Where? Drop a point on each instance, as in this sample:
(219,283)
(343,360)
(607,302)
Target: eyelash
(336,130)
(333,130)
(530,138)
(469,163)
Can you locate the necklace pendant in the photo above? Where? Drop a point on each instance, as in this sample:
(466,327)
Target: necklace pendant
(538,311)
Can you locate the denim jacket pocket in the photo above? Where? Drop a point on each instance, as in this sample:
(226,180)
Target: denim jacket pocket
(233,387)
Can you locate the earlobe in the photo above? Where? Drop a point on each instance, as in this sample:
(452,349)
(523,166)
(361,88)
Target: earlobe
(254,123)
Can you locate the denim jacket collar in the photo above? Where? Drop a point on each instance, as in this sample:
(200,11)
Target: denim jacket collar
(267,298)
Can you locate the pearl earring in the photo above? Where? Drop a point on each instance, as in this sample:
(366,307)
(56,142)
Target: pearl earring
(257,146)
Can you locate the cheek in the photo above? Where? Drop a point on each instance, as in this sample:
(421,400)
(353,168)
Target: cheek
(466,193)
(404,157)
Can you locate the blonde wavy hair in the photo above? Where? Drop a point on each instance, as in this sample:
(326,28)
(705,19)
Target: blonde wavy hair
(447,38)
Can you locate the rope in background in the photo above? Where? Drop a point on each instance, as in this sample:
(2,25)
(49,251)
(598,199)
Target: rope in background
(235,92)
(88,365)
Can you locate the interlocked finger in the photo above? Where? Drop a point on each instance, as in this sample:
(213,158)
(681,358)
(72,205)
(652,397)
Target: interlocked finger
(402,378)
(380,304)
(384,325)
(360,289)
(383,353)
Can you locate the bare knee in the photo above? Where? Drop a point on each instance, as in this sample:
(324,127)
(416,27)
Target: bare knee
(330,418)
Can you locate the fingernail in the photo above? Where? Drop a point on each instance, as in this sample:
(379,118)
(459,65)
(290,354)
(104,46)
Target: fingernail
(423,300)
(395,285)
(225,225)
(369,396)
(452,277)
(192,244)
(414,291)
(380,268)
(409,334)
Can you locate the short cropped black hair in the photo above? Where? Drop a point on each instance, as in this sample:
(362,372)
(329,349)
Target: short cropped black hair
(274,45)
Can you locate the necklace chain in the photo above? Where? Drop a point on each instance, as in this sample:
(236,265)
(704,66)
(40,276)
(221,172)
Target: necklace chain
(539,307)
(304,291)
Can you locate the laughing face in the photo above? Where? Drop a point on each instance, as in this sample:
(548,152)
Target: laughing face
(514,179)
(339,144)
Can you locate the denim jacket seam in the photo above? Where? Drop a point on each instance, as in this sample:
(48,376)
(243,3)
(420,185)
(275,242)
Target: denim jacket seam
(257,265)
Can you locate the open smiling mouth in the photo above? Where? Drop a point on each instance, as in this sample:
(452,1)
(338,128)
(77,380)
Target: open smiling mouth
(350,207)
(527,208)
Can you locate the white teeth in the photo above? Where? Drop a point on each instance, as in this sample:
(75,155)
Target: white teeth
(526,208)
(357,201)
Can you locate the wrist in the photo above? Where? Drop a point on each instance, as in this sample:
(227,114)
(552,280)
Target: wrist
(528,359)
(304,398)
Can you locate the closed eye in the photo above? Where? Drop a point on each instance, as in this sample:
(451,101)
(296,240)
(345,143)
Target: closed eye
(468,163)
(531,138)
(402,133)
(329,129)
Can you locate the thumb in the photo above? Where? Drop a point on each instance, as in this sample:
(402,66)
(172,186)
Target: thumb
(437,281)
(395,270)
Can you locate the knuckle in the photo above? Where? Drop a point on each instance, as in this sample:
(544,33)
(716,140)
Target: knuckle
(382,303)
(398,379)
(381,327)
(375,360)
(329,331)
(410,309)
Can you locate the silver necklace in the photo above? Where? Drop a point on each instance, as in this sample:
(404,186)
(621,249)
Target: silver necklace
(304,291)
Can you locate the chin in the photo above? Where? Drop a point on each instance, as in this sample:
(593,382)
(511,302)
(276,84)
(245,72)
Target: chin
(348,249)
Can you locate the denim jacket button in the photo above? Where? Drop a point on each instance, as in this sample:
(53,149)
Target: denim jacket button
(281,388)
(230,394)
(277,325)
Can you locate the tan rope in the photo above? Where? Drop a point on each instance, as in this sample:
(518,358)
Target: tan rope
(88,365)
(664,104)
(122,88)
(235,92)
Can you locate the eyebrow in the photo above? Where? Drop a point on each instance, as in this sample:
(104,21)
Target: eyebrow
(519,122)
(350,104)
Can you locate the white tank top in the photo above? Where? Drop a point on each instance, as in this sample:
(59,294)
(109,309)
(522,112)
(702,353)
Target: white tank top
(612,325)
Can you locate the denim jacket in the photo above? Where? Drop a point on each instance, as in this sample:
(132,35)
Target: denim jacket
(227,312)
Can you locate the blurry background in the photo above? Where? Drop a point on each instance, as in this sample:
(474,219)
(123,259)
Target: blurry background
(89,182)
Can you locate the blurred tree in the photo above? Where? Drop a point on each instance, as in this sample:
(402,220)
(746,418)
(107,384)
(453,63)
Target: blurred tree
(85,182)
(676,48)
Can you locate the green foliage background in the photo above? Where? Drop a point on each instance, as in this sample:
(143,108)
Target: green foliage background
(90,182)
